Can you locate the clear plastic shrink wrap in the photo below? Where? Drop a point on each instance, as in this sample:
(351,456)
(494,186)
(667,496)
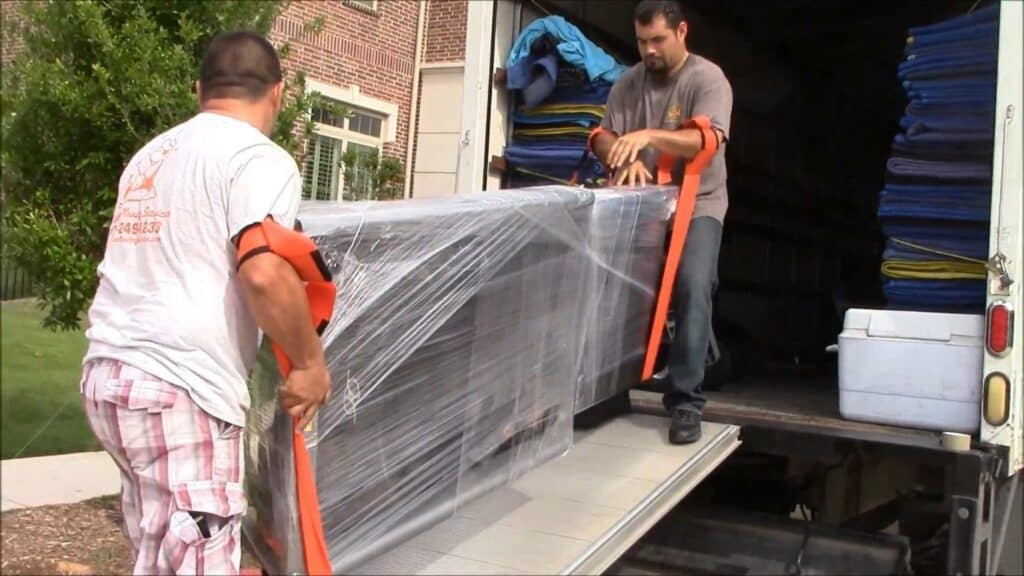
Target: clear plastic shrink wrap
(467,332)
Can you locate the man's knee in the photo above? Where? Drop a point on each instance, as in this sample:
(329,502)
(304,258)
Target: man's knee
(696,285)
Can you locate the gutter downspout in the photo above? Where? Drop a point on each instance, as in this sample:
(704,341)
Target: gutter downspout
(414,108)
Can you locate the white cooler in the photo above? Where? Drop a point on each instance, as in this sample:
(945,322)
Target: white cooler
(915,369)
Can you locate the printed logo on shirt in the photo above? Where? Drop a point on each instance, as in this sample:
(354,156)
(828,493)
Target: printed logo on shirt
(674,115)
(136,218)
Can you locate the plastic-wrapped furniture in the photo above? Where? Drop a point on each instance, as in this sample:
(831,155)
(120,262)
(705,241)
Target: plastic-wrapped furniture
(467,332)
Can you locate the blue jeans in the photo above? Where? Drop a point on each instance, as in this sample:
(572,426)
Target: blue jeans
(696,282)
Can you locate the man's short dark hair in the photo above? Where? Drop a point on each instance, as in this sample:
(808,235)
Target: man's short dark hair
(647,10)
(241,65)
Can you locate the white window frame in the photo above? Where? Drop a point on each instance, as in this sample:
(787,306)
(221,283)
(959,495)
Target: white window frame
(353,98)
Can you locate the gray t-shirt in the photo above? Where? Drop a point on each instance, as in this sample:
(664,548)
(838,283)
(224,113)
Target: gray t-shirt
(638,101)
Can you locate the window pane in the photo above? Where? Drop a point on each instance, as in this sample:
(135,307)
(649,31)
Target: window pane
(325,115)
(321,173)
(359,178)
(365,124)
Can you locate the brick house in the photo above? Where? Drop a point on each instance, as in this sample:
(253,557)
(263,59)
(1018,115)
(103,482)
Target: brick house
(395,64)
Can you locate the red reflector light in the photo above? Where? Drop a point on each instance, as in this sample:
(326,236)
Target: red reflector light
(1000,328)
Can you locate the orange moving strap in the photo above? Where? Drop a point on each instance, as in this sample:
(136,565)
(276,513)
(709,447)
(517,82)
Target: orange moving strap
(302,254)
(680,227)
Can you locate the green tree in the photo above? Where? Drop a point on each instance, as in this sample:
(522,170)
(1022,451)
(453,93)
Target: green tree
(96,80)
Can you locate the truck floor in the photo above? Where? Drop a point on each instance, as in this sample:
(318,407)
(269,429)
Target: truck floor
(791,405)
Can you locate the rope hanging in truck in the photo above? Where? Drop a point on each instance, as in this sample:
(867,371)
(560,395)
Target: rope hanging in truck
(302,254)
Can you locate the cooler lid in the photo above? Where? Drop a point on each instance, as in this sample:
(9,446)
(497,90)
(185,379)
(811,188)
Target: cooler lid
(910,325)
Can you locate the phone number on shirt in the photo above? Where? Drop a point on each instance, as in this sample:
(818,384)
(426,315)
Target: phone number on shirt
(144,227)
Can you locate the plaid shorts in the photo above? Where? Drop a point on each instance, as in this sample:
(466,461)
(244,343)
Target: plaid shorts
(182,494)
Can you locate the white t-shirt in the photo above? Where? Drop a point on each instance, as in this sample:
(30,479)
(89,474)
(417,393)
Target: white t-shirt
(169,301)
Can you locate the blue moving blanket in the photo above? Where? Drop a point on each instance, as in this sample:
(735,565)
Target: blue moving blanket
(933,210)
(581,119)
(981,122)
(918,108)
(573,47)
(926,192)
(935,294)
(956,237)
(975,32)
(939,170)
(896,250)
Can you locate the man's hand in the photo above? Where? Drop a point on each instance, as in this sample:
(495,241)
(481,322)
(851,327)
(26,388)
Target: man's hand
(627,148)
(633,174)
(305,391)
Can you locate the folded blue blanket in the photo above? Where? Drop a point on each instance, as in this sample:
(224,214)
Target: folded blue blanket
(961,55)
(953,96)
(543,154)
(951,138)
(581,119)
(939,170)
(933,109)
(896,251)
(959,85)
(957,237)
(988,45)
(935,294)
(528,141)
(933,211)
(964,122)
(942,152)
(975,249)
(974,195)
(977,31)
(595,93)
(941,72)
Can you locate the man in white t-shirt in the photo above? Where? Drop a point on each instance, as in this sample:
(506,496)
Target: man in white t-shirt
(175,323)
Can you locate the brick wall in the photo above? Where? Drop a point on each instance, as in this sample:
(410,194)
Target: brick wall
(10,16)
(374,50)
(446,31)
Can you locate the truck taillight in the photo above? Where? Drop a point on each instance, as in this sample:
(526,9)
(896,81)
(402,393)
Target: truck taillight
(999,328)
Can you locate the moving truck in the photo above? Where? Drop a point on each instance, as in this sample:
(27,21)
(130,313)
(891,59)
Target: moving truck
(781,481)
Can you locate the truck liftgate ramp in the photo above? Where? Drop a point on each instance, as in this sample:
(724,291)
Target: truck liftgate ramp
(576,514)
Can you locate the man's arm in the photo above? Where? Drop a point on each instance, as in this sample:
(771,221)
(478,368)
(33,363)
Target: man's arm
(267,183)
(684,143)
(602,145)
(277,299)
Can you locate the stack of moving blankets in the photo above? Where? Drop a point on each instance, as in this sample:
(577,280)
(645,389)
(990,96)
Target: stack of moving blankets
(936,203)
(561,81)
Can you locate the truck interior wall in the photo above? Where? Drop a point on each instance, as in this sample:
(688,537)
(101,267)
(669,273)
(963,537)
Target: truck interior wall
(816,105)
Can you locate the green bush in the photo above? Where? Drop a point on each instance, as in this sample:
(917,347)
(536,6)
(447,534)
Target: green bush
(95,81)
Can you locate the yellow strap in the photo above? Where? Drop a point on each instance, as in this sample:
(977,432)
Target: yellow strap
(934,270)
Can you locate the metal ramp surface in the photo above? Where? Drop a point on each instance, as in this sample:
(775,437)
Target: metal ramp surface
(574,515)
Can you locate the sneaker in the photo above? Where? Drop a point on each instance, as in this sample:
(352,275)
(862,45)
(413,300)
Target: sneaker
(685,428)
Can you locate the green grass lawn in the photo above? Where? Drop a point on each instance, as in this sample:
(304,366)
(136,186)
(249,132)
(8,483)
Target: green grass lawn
(39,380)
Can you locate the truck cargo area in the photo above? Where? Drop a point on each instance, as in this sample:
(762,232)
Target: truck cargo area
(574,515)
(817,103)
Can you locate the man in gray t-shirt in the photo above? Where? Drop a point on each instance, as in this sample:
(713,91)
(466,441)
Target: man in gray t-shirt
(645,110)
